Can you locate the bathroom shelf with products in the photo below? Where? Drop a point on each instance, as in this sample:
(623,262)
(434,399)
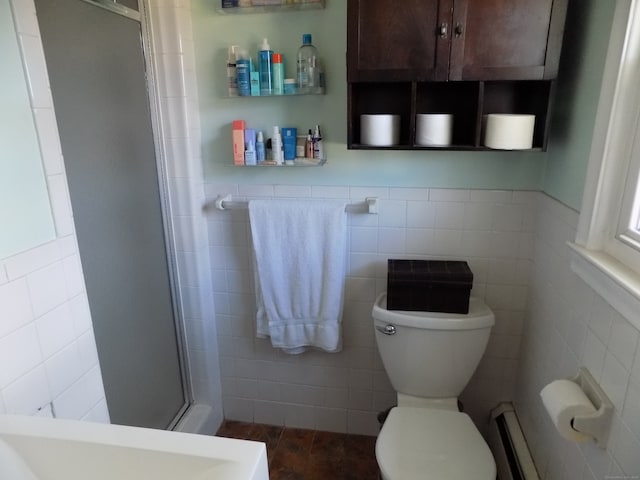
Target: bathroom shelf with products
(284,95)
(266,6)
(298,162)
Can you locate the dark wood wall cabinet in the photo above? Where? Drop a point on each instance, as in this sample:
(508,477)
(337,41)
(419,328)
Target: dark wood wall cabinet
(468,58)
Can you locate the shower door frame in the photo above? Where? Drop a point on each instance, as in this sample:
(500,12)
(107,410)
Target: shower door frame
(142,17)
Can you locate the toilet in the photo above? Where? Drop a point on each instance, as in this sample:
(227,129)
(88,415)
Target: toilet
(429,358)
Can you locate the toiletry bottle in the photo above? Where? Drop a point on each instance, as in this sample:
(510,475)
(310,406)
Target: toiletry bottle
(232,79)
(276,145)
(243,70)
(307,60)
(238,141)
(260,150)
(278,74)
(318,148)
(289,137)
(265,57)
(308,147)
(250,147)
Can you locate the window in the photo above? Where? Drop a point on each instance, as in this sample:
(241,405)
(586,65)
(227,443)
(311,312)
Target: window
(607,247)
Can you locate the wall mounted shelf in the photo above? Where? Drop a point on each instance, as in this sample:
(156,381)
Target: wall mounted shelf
(271,7)
(284,95)
(298,162)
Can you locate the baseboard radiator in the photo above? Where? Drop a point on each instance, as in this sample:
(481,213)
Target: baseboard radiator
(509,447)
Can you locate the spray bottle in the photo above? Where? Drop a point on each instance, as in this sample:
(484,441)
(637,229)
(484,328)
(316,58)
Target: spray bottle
(232,79)
(318,147)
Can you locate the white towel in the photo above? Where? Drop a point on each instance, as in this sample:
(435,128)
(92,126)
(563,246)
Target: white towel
(300,260)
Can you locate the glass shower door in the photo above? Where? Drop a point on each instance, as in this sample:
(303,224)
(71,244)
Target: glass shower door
(98,79)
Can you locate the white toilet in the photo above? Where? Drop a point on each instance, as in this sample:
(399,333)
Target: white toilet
(430,358)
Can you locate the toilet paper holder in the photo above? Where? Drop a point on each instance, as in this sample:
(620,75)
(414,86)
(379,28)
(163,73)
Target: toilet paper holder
(598,423)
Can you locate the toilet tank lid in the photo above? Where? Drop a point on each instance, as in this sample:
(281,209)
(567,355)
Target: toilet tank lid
(479,316)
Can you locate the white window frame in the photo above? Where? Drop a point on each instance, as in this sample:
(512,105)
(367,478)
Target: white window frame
(604,255)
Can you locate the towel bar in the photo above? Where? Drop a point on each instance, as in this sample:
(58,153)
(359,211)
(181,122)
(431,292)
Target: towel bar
(370,205)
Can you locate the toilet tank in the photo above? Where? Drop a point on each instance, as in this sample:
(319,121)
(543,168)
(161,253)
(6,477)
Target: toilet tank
(431,355)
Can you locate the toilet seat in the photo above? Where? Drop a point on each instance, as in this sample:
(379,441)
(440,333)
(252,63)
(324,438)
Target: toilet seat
(424,443)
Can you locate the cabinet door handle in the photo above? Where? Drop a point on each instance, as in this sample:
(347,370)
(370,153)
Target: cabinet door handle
(459,30)
(442,30)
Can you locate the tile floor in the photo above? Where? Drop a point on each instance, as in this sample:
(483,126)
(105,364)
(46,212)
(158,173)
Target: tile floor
(296,454)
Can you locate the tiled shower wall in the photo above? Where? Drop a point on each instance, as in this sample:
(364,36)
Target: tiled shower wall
(47,349)
(492,230)
(568,325)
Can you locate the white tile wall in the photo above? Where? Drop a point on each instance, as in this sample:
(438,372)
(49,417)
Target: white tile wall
(345,391)
(568,325)
(43,306)
(170,29)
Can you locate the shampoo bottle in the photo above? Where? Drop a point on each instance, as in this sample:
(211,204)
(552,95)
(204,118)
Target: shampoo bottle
(265,57)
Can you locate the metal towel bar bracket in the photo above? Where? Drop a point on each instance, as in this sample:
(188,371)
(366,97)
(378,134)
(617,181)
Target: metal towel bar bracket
(370,205)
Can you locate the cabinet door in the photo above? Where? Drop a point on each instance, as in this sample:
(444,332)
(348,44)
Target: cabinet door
(506,39)
(398,41)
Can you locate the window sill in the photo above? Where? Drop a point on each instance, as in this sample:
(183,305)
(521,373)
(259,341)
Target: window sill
(615,282)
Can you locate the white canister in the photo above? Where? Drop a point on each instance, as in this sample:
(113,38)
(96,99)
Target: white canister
(434,129)
(381,130)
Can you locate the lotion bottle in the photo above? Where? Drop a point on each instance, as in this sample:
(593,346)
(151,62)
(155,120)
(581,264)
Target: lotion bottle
(276,146)
(238,127)
(278,74)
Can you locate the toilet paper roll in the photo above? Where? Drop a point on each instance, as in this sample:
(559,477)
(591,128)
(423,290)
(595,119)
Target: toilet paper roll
(564,400)
(434,129)
(508,131)
(380,130)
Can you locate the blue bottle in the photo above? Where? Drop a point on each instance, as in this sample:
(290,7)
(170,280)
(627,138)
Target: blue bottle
(260,150)
(265,68)
(243,73)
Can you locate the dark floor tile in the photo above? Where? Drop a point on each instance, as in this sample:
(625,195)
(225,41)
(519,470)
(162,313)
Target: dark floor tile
(360,468)
(329,444)
(323,467)
(297,454)
(286,475)
(233,429)
(268,434)
(286,461)
(297,440)
(360,447)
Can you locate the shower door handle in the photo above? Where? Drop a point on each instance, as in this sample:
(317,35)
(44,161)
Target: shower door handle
(387,329)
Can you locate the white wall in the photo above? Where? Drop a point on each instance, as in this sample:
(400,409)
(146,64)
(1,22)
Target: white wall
(568,325)
(47,348)
(492,230)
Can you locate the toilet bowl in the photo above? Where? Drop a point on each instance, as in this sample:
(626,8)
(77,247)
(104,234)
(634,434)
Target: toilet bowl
(429,358)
